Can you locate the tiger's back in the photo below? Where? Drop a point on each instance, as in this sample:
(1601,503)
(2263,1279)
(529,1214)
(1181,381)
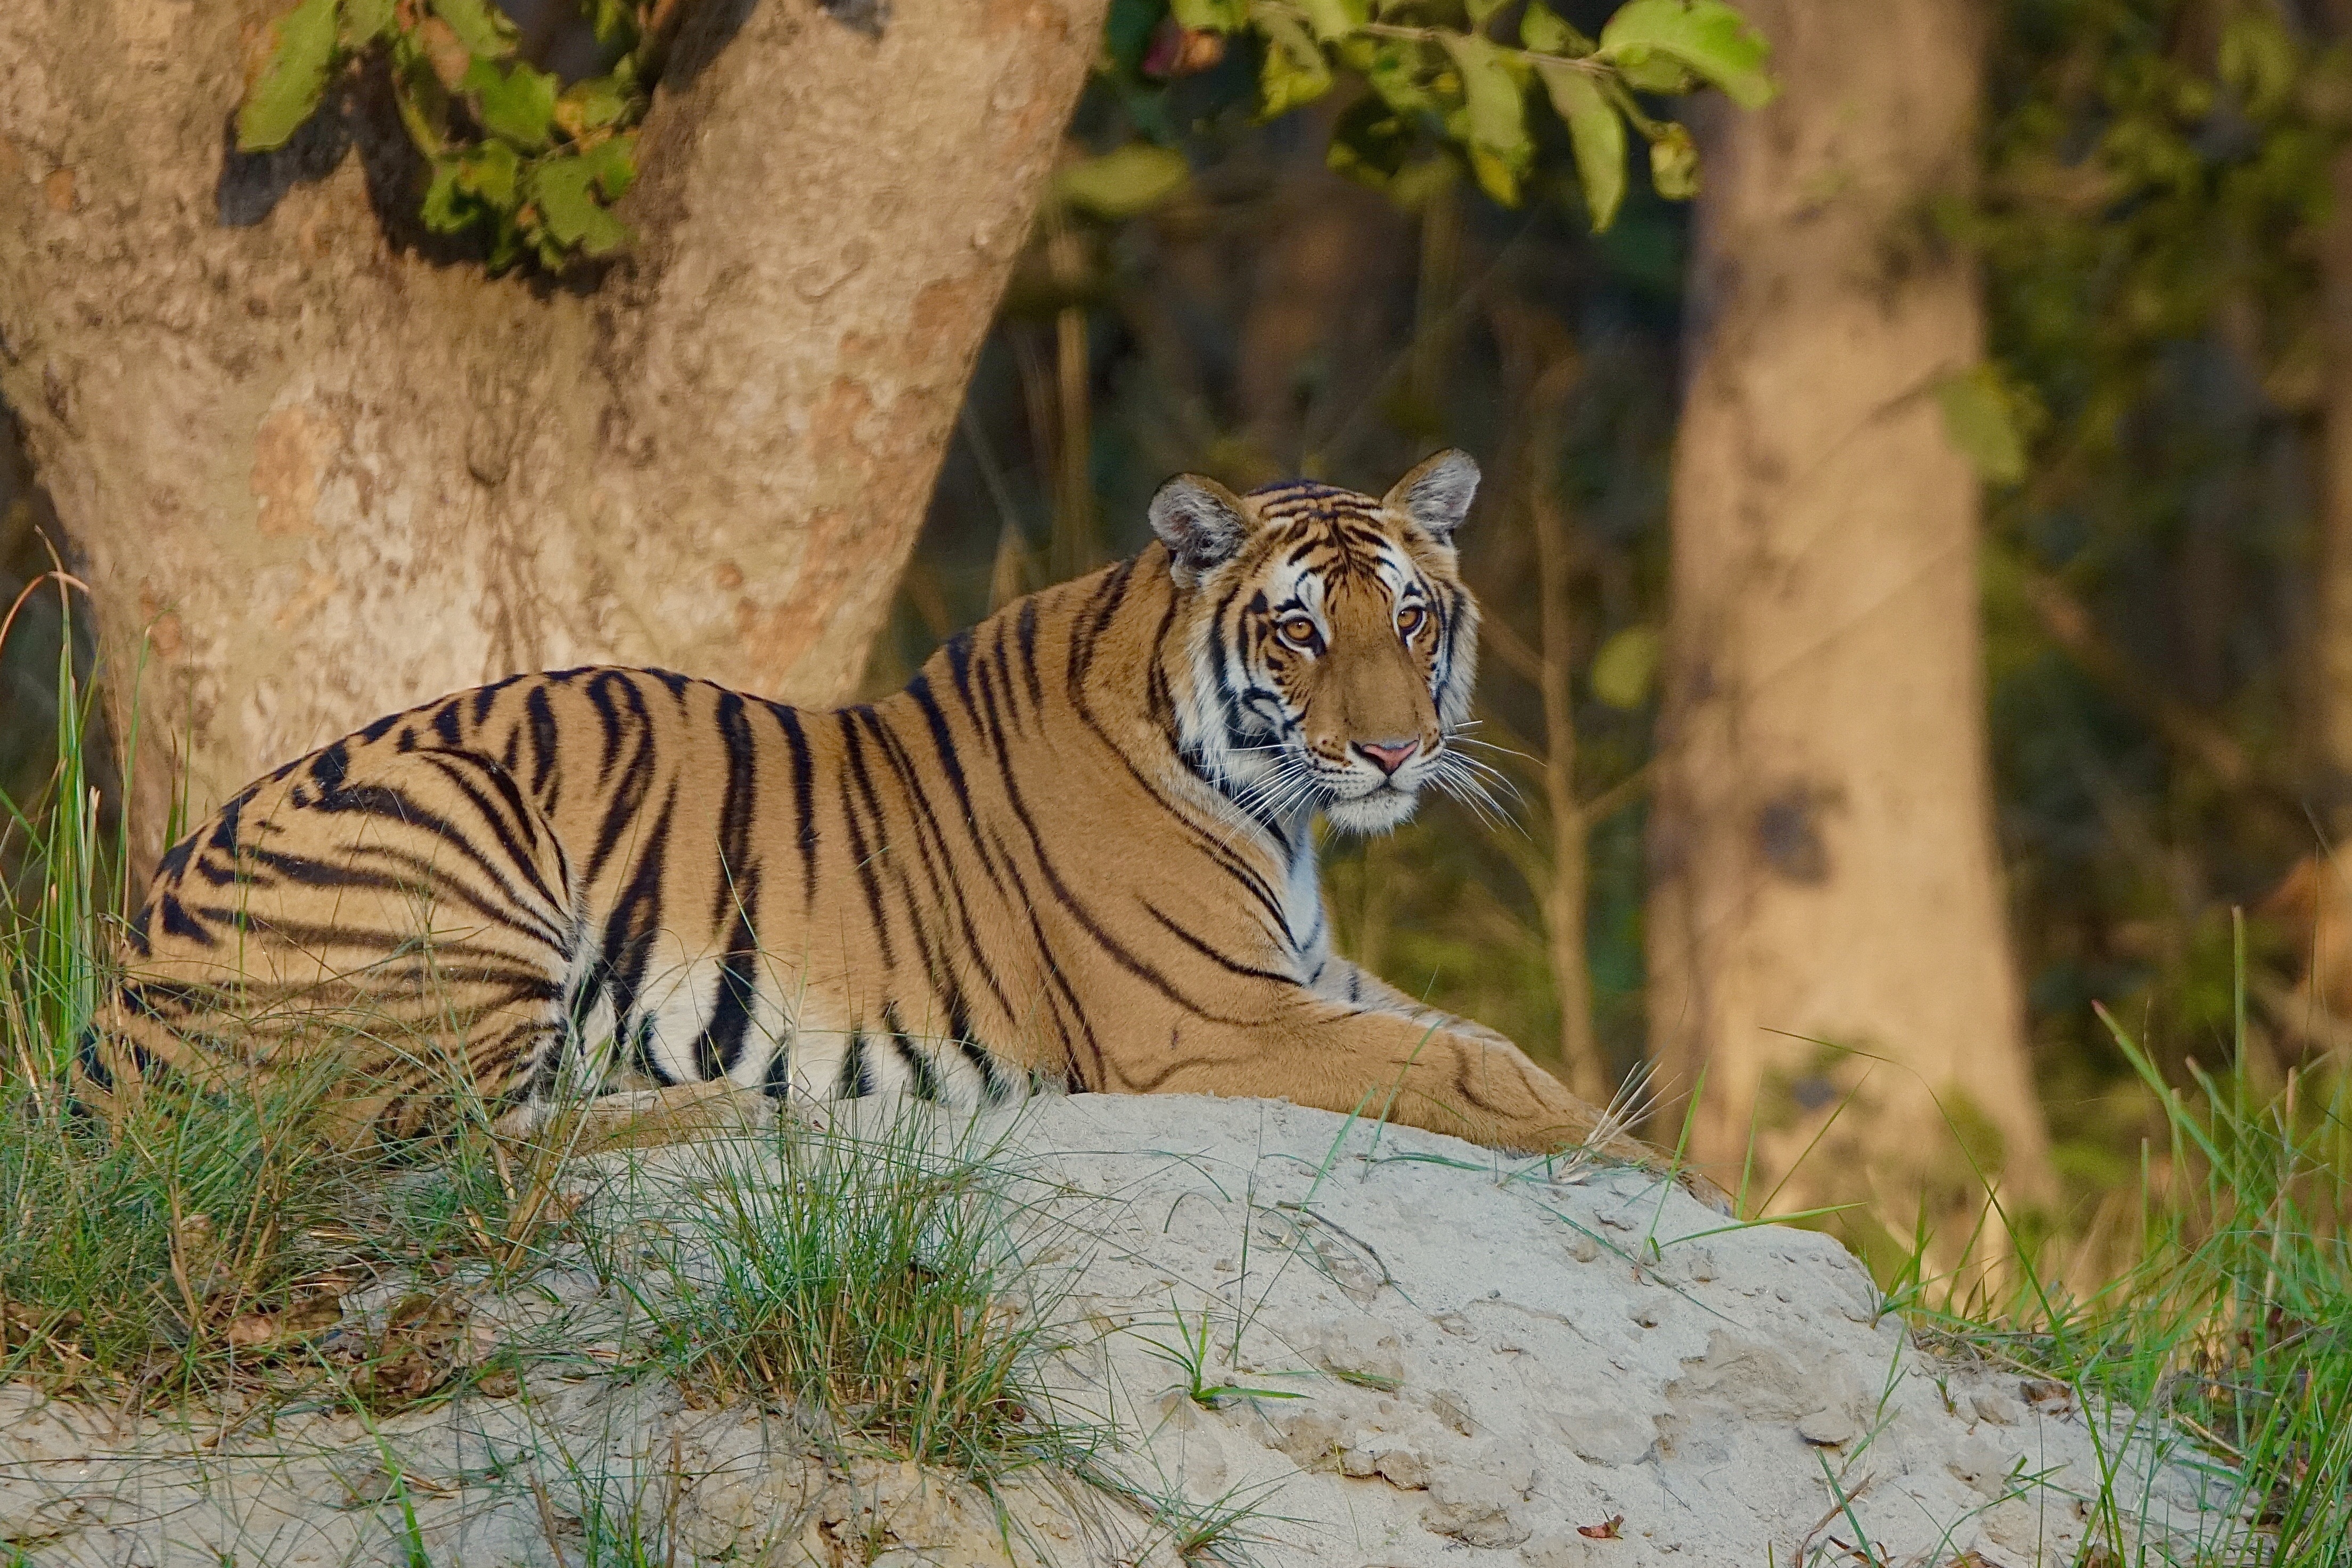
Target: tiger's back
(1078,847)
(631,858)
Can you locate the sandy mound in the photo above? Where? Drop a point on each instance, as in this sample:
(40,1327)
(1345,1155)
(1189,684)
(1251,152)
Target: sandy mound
(1429,1358)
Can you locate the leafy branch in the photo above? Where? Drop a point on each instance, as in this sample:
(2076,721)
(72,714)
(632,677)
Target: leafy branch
(1443,69)
(521,162)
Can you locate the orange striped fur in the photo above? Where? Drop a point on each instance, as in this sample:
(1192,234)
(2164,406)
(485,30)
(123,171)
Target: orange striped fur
(1078,849)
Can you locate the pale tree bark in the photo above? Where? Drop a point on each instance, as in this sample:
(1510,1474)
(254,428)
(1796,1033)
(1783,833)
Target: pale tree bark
(2318,895)
(1825,884)
(324,474)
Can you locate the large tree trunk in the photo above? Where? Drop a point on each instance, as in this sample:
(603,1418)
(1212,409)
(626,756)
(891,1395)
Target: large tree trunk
(2317,896)
(1827,912)
(324,474)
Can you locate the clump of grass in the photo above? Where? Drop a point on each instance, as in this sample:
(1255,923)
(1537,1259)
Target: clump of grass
(164,1252)
(875,1278)
(2231,1317)
(161,1256)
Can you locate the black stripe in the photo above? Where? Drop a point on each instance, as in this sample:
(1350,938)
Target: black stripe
(177,922)
(600,696)
(862,857)
(445,889)
(517,913)
(918,1064)
(629,935)
(485,697)
(1027,632)
(720,1045)
(1002,649)
(175,859)
(735,862)
(524,820)
(331,767)
(958,650)
(994,1089)
(803,799)
(539,713)
(935,961)
(636,784)
(1234,965)
(93,1062)
(930,833)
(1061,983)
(855,1079)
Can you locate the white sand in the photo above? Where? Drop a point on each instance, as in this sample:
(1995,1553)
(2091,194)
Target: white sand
(1483,1362)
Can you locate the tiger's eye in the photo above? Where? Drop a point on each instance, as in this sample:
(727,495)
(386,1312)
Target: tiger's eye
(1299,630)
(1410,618)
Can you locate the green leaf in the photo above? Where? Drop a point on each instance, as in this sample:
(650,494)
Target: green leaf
(1400,70)
(1646,70)
(612,163)
(480,26)
(1497,176)
(1981,419)
(1335,19)
(564,189)
(446,209)
(591,105)
(1210,16)
(365,21)
(417,93)
(1483,11)
(1597,134)
(1499,148)
(1674,162)
(1293,72)
(1541,29)
(1626,667)
(1123,182)
(1709,37)
(293,81)
(506,245)
(490,171)
(616,24)
(517,104)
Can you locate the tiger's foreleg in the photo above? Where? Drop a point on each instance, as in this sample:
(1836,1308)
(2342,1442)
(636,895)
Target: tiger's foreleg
(643,1118)
(1352,1059)
(1358,987)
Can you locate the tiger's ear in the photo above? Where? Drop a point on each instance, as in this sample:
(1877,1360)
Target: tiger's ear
(1436,494)
(1201,523)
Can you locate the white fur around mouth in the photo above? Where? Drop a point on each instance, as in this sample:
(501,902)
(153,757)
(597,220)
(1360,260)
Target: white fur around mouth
(1375,812)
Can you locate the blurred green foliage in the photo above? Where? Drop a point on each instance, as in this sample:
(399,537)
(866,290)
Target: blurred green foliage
(2155,187)
(1452,81)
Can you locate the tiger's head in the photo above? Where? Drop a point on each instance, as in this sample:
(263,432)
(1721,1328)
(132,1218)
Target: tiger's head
(1331,642)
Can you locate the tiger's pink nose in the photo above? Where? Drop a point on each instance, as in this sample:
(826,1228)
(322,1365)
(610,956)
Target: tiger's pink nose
(1388,756)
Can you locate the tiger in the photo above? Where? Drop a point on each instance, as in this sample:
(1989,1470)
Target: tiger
(1077,850)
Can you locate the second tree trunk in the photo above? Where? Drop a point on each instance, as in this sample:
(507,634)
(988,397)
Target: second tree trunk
(1829,953)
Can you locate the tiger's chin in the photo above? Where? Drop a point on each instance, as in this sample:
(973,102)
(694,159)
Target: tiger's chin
(1378,812)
